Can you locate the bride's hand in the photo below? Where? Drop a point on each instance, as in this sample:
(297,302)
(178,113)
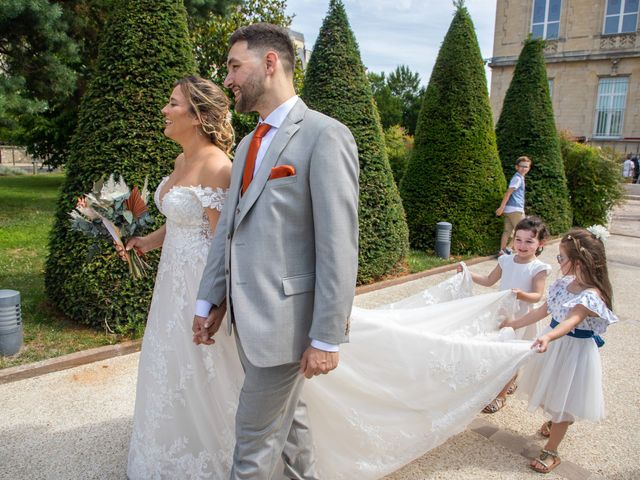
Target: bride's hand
(137,243)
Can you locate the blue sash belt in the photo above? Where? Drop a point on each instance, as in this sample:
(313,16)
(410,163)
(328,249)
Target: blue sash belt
(578,333)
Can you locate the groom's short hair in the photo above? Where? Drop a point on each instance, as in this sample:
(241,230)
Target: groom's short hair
(266,36)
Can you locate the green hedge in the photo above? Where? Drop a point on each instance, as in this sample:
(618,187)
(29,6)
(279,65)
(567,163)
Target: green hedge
(454,173)
(398,146)
(336,85)
(527,127)
(145,48)
(594,181)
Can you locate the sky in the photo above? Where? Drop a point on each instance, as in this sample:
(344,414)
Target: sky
(397,32)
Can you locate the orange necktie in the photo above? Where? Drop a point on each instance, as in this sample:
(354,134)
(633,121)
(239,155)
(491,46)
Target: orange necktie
(250,163)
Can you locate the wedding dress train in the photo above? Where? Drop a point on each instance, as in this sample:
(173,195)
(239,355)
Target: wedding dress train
(415,373)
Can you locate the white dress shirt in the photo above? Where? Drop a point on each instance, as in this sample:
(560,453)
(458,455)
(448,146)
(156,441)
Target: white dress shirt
(274,119)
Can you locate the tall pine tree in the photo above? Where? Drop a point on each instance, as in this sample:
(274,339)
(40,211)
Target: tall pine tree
(454,174)
(336,84)
(144,49)
(527,127)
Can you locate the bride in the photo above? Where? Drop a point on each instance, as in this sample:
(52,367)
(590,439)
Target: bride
(183,424)
(439,357)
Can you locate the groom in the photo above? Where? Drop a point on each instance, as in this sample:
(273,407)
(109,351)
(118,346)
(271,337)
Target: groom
(284,255)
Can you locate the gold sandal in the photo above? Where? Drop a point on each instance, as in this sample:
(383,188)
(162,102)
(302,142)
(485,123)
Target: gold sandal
(542,460)
(545,429)
(495,405)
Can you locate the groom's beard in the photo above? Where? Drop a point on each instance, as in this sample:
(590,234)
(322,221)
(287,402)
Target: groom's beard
(250,93)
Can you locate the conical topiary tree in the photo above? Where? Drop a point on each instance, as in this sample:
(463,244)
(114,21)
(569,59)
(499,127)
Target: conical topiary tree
(337,85)
(145,48)
(454,173)
(527,127)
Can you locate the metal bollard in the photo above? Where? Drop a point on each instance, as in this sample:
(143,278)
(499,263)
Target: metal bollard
(443,239)
(10,322)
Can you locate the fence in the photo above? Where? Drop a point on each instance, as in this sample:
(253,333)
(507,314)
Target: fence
(12,155)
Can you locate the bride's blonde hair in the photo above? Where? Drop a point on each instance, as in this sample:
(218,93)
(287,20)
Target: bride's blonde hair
(211,107)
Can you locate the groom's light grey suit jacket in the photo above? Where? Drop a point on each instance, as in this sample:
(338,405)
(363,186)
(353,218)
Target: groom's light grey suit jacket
(286,252)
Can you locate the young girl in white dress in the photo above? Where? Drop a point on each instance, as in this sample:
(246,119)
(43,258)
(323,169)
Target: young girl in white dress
(525,275)
(566,382)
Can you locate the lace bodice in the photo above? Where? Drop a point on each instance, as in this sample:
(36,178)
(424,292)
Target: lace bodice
(188,234)
(184,205)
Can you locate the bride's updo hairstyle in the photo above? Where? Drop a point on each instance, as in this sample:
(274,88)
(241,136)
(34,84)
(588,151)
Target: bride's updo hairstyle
(587,251)
(211,107)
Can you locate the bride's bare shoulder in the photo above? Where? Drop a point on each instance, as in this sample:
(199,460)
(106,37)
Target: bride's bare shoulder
(216,170)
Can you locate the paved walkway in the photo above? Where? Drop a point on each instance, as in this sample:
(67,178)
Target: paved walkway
(75,424)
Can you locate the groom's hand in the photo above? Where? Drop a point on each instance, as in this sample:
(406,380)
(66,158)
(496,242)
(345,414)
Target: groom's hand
(314,362)
(204,328)
(198,328)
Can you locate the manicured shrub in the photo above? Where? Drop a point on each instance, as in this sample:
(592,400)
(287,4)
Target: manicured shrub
(145,48)
(398,146)
(454,173)
(336,84)
(594,181)
(527,127)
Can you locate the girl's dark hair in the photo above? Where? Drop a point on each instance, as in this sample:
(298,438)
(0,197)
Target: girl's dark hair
(537,226)
(585,250)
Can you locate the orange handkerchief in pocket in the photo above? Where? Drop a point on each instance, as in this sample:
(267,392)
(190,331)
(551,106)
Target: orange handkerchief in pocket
(282,171)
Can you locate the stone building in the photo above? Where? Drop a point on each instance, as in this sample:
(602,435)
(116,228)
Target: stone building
(593,64)
(301,50)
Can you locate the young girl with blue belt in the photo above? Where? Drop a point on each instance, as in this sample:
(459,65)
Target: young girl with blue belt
(566,380)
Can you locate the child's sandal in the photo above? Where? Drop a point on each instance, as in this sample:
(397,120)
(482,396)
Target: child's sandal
(542,465)
(495,405)
(545,429)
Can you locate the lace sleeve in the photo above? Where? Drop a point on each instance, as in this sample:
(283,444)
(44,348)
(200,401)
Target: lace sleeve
(211,198)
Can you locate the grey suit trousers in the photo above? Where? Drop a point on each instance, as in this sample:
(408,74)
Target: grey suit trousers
(271,422)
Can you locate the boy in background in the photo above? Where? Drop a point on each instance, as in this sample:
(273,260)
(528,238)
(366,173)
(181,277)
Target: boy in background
(512,205)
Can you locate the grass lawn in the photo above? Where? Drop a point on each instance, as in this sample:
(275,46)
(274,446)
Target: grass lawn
(419,261)
(27,208)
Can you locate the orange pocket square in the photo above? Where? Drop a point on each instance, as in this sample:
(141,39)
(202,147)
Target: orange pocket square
(282,171)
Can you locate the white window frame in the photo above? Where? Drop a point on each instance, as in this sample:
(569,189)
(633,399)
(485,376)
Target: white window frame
(545,22)
(550,83)
(610,112)
(620,19)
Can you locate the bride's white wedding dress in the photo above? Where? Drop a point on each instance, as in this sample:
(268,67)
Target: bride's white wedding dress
(415,373)
(186,396)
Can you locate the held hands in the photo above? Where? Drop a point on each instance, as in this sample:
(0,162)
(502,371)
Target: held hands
(314,362)
(204,328)
(459,268)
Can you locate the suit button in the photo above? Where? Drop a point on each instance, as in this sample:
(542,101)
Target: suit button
(237,210)
(228,236)
(226,271)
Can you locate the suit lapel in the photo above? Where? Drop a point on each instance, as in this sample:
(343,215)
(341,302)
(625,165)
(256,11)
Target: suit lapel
(284,134)
(235,183)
